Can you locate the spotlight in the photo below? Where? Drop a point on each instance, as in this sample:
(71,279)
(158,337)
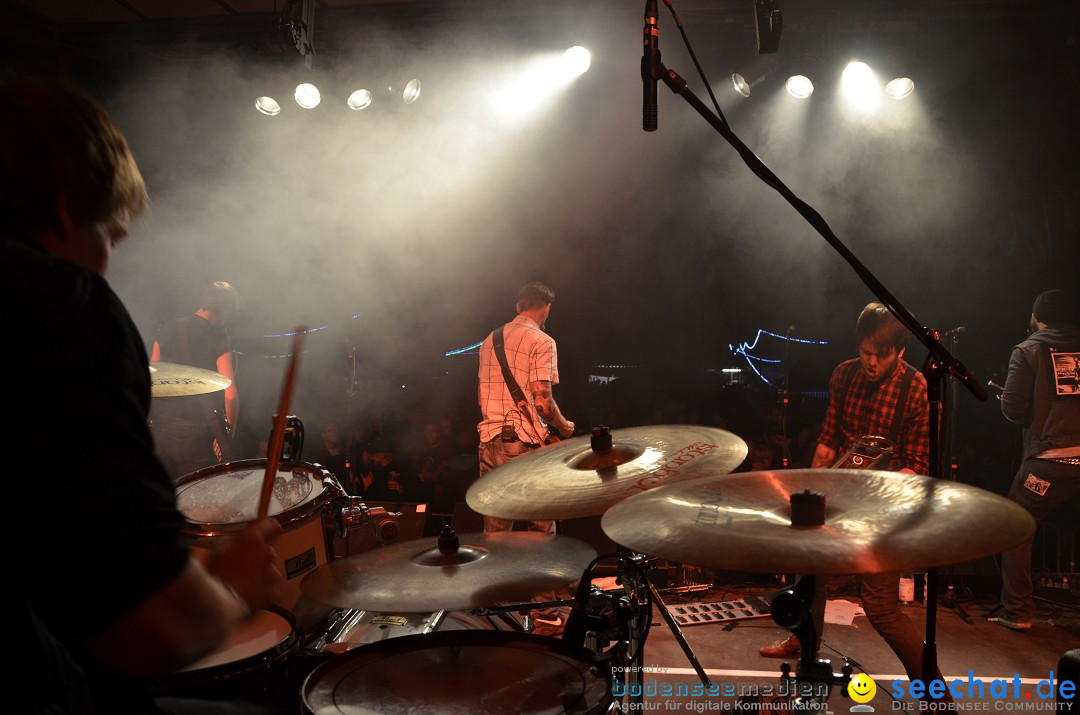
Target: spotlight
(412,91)
(860,86)
(900,87)
(761,67)
(799,86)
(360,99)
(577,61)
(307,95)
(741,85)
(268,106)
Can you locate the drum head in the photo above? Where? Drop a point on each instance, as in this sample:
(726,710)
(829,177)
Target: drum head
(460,672)
(229,493)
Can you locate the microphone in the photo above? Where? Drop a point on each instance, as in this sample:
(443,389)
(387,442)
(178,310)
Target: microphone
(650,68)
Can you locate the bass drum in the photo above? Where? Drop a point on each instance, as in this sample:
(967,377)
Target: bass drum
(252,664)
(464,672)
(224,499)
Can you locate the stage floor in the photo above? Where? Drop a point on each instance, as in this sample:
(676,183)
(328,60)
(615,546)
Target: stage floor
(974,650)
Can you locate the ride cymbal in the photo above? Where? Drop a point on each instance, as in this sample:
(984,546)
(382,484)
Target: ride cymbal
(174,380)
(873,522)
(571,479)
(416,576)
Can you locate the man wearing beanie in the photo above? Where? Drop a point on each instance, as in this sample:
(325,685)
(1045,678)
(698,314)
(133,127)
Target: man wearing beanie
(1041,395)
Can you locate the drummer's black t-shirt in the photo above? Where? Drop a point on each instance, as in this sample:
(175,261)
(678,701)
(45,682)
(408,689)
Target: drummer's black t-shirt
(92,527)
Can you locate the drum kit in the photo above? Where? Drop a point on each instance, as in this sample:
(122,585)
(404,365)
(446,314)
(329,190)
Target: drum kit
(663,491)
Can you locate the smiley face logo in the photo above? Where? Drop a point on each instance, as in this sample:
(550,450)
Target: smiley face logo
(862,688)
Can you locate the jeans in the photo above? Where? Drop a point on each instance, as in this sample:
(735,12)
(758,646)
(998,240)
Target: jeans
(493,454)
(880,601)
(1040,486)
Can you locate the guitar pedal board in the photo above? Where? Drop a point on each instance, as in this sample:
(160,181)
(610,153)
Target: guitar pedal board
(696,614)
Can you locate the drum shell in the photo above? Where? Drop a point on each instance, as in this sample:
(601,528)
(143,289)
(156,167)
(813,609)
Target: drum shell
(252,664)
(461,672)
(306,541)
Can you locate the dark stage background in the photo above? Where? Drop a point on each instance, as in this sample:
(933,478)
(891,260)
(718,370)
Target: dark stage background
(406,231)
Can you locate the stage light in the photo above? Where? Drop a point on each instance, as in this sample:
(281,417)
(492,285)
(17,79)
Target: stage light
(307,95)
(360,99)
(538,81)
(799,86)
(860,86)
(741,85)
(412,91)
(268,106)
(577,61)
(900,87)
(761,67)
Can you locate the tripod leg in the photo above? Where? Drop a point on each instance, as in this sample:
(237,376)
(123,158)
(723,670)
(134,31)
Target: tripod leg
(679,637)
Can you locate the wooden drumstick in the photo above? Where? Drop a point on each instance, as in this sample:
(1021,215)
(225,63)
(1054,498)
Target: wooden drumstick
(277,437)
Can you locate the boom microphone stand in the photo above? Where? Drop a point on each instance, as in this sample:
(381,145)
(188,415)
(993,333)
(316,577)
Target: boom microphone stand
(939,362)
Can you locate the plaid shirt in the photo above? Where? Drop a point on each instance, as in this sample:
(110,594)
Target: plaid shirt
(532,357)
(869,409)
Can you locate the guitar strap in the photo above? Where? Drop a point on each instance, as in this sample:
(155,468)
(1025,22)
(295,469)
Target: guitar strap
(515,390)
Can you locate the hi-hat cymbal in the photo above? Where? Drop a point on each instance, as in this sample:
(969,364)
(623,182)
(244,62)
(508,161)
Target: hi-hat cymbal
(570,480)
(174,380)
(874,522)
(415,576)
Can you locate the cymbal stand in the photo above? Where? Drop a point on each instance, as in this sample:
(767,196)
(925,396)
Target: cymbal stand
(631,614)
(790,608)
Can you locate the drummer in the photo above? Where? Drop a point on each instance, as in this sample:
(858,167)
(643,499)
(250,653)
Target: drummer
(106,594)
(877,393)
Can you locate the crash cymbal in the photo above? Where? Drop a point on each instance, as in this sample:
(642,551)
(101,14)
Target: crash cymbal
(570,479)
(415,576)
(173,380)
(873,522)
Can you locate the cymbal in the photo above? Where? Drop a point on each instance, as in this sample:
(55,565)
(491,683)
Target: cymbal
(570,480)
(414,576)
(174,380)
(874,521)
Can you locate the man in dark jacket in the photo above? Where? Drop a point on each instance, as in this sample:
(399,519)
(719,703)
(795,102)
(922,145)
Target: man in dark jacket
(1040,394)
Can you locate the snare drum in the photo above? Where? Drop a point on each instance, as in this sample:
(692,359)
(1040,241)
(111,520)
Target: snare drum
(461,672)
(252,664)
(224,499)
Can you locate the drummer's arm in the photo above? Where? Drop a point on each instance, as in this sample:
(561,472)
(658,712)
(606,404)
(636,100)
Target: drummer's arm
(232,397)
(546,407)
(192,614)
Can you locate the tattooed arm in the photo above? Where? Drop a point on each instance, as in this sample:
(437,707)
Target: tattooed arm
(546,407)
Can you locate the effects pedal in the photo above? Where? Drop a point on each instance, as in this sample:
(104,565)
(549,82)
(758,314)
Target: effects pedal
(696,614)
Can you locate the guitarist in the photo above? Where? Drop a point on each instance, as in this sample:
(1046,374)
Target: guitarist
(876,393)
(195,431)
(518,369)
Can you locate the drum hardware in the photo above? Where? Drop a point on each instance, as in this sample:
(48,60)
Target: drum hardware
(292,444)
(583,476)
(349,513)
(174,380)
(790,609)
